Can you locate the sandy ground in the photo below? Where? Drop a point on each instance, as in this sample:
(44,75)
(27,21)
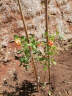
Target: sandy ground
(61,76)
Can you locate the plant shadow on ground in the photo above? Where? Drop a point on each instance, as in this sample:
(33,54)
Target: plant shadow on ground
(26,89)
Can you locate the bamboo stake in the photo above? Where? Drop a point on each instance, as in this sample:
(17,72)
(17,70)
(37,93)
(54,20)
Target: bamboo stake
(1,91)
(26,33)
(47,33)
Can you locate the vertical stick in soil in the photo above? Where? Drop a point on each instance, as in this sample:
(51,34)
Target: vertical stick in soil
(26,33)
(47,35)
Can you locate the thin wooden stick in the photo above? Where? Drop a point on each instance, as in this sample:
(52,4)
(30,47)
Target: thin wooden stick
(47,33)
(26,33)
(23,19)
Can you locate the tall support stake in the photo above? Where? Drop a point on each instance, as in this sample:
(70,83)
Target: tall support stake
(47,35)
(26,33)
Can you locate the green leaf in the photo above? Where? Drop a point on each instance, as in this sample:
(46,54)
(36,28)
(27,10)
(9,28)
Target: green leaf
(53,47)
(50,53)
(42,59)
(57,33)
(26,66)
(21,59)
(32,45)
(22,38)
(24,60)
(45,68)
(54,62)
(52,37)
(27,52)
(46,33)
(19,51)
(16,37)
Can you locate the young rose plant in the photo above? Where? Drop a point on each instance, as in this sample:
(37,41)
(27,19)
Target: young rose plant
(22,41)
(39,55)
(49,50)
